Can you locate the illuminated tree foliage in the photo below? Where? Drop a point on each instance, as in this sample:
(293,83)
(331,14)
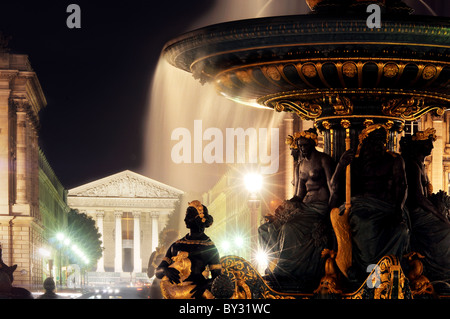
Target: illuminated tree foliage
(84,233)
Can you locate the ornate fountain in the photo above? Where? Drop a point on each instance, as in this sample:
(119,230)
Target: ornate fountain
(329,67)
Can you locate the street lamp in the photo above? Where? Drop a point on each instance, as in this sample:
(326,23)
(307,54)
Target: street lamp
(62,240)
(253,183)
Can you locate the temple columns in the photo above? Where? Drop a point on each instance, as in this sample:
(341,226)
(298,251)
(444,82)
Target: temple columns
(155,230)
(118,243)
(137,242)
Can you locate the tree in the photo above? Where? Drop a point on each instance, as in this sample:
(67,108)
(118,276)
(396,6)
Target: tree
(84,233)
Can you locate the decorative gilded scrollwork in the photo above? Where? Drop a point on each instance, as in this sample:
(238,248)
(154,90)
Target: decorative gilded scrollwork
(329,284)
(342,105)
(386,281)
(420,285)
(410,109)
(306,110)
(249,284)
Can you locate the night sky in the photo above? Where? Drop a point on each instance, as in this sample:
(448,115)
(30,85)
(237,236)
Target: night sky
(96,79)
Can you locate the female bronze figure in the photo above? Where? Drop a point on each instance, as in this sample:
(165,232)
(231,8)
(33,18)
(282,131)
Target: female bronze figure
(298,232)
(377,218)
(182,269)
(430,227)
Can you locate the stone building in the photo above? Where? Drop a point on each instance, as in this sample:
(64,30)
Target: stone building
(21,229)
(130,211)
(53,210)
(438,163)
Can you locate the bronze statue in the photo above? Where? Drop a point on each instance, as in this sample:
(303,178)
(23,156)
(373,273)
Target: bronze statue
(430,228)
(297,233)
(377,218)
(167,238)
(7,290)
(182,269)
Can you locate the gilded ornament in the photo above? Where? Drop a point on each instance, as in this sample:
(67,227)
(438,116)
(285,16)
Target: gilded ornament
(182,290)
(390,70)
(306,110)
(312,3)
(326,125)
(368,122)
(225,80)
(342,230)
(365,133)
(409,109)
(243,76)
(309,70)
(429,72)
(273,73)
(345,123)
(279,107)
(425,135)
(389,124)
(342,105)
(309,135)
(329,283)
(199,207)
(349,69)
(420,285)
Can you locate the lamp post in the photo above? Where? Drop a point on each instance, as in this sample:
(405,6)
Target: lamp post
(253,183)
(63,241)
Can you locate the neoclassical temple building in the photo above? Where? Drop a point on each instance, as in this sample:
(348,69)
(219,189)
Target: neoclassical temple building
(130,211)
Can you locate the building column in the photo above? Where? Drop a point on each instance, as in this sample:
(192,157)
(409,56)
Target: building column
(118,246)
(101,261)
(137,242)
(21,155)
(155,230)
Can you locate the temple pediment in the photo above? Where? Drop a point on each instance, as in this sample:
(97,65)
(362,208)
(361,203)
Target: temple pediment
(126,184)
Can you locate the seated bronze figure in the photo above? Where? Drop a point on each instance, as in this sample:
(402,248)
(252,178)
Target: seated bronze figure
(299,231)
(430,227)
(377,218)
(183,267)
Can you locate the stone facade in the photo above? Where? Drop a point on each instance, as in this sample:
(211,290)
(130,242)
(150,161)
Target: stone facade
(21,99)
(53,209)
(130,211)
(438,163)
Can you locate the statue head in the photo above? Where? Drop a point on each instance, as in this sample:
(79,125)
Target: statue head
(373,140)
(306,142)
(420,143)
(424,140)
(197,217)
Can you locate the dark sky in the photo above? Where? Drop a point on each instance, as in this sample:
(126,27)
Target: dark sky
(96,79)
